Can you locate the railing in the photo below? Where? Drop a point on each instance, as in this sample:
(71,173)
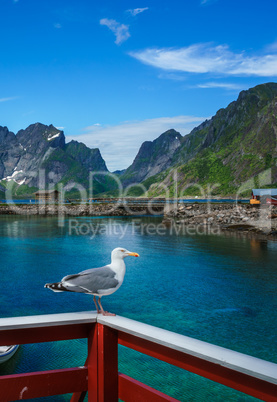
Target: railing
(100,378)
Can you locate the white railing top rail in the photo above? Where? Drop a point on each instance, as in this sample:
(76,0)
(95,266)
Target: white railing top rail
(47,320)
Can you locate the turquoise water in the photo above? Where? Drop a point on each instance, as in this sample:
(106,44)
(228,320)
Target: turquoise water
(220,289)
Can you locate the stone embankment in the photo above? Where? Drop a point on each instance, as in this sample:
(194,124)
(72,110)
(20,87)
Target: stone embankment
(74,209)
(231,217)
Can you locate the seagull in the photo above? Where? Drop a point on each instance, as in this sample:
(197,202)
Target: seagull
(99,282)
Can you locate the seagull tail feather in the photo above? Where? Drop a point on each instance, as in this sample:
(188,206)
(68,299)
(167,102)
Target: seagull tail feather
(56,287)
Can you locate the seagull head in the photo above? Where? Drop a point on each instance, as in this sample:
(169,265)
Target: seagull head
(120,253)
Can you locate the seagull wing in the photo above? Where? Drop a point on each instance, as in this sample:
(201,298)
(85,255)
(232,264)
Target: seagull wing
(92,280)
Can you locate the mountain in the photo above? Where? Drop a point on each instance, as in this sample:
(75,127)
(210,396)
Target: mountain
(91,159)
(38,157)
(153,157)
(236,145)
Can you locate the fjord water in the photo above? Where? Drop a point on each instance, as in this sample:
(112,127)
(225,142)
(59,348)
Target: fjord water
(217,288)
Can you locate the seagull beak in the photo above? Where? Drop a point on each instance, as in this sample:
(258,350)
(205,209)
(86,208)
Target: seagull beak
(133,254)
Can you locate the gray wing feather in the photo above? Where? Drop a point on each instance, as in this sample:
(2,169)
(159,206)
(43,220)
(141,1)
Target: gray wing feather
(91,280)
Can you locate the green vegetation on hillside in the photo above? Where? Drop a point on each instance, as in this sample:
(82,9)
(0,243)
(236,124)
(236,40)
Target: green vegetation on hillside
(239,143)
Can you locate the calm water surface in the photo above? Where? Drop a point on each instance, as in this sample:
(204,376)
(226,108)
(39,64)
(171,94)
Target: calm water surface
(220,289)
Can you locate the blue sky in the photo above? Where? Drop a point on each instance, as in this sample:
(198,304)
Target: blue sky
(113,74)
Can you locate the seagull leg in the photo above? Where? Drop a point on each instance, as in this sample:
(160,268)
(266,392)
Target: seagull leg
(96,305)
(102,310)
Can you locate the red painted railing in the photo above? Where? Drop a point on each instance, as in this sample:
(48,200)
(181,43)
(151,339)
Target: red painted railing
(100,378)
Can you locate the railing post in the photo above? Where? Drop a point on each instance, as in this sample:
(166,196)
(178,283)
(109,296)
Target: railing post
(92,364)
(103,365)
(107,364)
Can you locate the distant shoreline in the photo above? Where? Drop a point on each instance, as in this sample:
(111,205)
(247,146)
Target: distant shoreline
(257,222)
(61,210)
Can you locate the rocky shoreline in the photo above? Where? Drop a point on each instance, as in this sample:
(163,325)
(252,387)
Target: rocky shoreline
(76,209)
(240,218)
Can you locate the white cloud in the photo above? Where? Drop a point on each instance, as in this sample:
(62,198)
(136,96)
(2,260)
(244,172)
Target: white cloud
(121,31)
(119,144)
(8,99)
(204,58)
(136,11)
(223,85)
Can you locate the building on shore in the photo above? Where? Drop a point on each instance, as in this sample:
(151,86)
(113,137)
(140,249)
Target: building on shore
(264,196)
(47,195)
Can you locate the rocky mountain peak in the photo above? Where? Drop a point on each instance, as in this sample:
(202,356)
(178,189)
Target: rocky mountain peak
(6,135)
(42,148)
(91,159)
(153,157)
(41,135)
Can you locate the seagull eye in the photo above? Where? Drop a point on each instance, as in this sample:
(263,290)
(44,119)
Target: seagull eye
(122,251)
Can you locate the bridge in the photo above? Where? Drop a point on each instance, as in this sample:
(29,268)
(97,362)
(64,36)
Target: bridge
(142,205)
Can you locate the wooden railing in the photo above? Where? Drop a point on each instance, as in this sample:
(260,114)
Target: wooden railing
(99,376)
